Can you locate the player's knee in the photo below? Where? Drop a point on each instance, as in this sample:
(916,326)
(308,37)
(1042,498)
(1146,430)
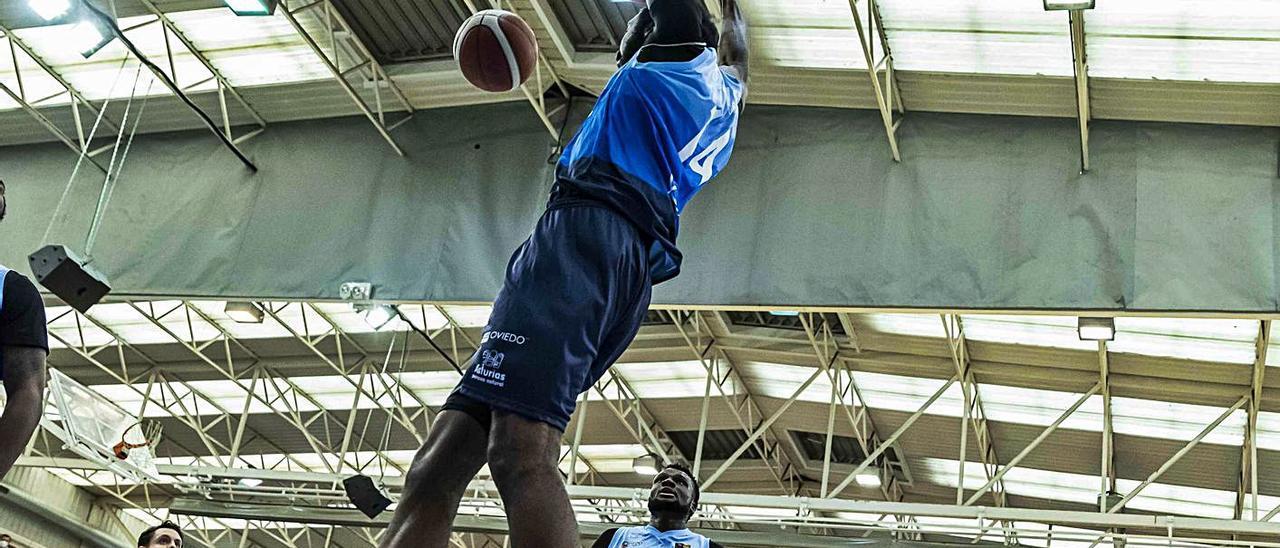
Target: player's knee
(510,461)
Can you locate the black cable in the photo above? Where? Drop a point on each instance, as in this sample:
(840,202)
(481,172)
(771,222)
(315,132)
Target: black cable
(168,83)
(427,337)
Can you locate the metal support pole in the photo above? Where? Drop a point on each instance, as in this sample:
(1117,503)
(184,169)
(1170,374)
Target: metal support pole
(1083,110)
(883,103)
(1108,473)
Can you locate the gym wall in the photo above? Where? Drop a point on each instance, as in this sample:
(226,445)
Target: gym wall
(985,212)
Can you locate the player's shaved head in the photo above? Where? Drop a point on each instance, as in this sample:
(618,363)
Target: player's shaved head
(679,21)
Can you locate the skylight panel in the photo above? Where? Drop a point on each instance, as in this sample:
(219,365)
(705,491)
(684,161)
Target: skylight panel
(806,33)
(978,36)
(1214,40)
(1214,340)
(1050,331)
(680,379)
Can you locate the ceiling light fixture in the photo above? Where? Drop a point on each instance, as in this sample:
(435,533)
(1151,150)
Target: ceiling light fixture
(1096,329)
(1059,5)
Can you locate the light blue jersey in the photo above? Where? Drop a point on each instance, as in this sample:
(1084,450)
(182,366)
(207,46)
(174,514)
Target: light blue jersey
(648,537)
(659,132)
(4,273)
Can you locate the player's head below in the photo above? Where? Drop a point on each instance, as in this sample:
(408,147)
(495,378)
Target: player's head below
(674,493)
(165,535)
(3,204)
(682,22)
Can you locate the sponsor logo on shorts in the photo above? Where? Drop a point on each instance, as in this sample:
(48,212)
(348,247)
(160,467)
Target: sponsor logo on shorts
(486,370)
(495,336)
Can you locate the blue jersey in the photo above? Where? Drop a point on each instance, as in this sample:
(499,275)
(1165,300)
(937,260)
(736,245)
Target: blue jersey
(658,133)
(648,537)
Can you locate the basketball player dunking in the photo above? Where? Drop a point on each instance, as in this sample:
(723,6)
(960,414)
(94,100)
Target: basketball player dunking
(24,344)
(577,290)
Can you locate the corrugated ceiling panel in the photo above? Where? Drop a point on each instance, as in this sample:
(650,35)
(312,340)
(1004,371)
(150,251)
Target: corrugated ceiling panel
(594,25)
(1215,40)
(978,36)
(405,30)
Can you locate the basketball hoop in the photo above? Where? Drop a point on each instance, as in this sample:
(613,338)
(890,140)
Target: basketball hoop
(144,433)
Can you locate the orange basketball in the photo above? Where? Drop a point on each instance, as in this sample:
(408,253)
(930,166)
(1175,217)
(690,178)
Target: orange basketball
(496,50)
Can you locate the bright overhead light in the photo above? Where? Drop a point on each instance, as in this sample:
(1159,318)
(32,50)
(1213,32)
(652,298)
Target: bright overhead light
(252,7)
(1096,329)
(379,315)
(868,480)
(1060,5)
(646,465)
(50,9)
(250,482)
(244,312)
(784,313)
(90,35)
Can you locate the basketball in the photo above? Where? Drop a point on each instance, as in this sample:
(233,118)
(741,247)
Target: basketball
(496,50)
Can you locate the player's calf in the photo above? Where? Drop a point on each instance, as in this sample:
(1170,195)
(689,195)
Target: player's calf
(523,457)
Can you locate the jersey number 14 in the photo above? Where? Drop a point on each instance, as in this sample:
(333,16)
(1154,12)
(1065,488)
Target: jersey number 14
(703,162)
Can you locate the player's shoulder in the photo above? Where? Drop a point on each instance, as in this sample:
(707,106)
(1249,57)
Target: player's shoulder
(17,291)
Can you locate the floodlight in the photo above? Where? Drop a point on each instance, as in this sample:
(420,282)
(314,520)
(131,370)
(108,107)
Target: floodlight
(89,35)
(784,313)
(379,315)
(1096,329)
(68,276)
(244,312)
(250,482)
(252,7)
(50,9)
(868,480)
(1063,5)
(646,465)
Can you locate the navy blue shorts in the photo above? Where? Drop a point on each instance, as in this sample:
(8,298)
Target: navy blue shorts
(574,297)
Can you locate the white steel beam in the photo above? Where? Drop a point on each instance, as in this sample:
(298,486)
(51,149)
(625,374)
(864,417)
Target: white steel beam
(338,29)
(884,93)
(1079,55)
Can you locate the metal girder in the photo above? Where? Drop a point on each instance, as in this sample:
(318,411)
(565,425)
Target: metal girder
(974,416)
(622,400)
(1044,434)
(1108,465)
(827,350)
(176,405)
(345,43)
(1079,56)
(761,429)
(1248,478)
(80,144)
(878,451)
(224,86)
(275,390)
(721,371)
(1179,455)
(885,95)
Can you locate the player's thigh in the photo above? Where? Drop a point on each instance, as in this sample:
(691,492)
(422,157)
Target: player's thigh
(518,445)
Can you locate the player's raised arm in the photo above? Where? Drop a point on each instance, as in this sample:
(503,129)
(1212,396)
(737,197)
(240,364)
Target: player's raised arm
(733,40)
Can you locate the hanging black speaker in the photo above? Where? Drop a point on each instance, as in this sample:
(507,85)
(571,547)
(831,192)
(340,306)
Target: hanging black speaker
(366,495)
(69,277)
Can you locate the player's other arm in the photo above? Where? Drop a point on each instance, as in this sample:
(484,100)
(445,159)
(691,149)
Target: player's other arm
(733,41)
(24,344)
(24,391)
